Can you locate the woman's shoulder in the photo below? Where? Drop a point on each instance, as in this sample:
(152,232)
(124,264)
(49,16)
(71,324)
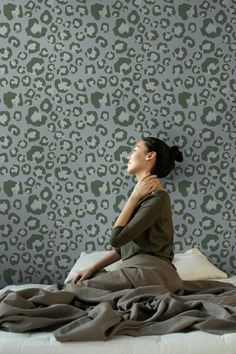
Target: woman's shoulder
(160,193)
(155,195)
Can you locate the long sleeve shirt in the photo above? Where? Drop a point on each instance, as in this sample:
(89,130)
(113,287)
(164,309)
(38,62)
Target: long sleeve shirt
(149,229)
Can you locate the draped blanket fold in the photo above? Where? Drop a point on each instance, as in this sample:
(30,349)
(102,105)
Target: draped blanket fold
(84,312)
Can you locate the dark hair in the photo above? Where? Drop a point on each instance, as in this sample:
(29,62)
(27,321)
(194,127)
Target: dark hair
(166,156)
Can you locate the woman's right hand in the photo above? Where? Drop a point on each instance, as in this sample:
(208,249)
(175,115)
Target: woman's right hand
(83,274)
(147,184)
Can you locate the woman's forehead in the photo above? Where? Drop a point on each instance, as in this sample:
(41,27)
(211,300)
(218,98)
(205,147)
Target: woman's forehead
(139,143)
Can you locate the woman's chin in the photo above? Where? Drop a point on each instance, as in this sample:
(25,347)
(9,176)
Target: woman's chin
(129,170)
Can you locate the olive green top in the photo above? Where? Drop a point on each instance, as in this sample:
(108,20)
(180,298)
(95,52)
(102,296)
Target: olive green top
(149,229)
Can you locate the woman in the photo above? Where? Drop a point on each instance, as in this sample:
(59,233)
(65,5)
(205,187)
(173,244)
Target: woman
(143,233)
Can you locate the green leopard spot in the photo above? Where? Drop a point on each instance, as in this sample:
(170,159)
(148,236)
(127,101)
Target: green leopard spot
(11,10)
(150,85)
(36,154)
(3,70)
(121,153)
(123,29)
(5,53)
(210,66)
(179,206)
(185,10)
(209,117)
(32,46)
(211,241)
(119,135)
(3,247)
(209,29)
(32,223)
(4,118)
(46,194)
(101,129)
(133,17)
(34,117)
(102,170)
(92,53)
(179,29)
(120,46)
(64,212)
(207,46)
(12,276)
(12,187)
(46,17)
(35,206)
(207,223)
(46,105)
(210,206)
(99,99)
(122,117)
(186,188)
(6,230)
(221,17)
(98,9)
(123,65)
(133,105)
(119,201)
(62,85)
(93,141)
(36,242)
(102,218)
(35,66)
(14,259)
(92,30)
(35,29)
(92,206)
(5,29)
(62,262)
(221,105)
(210,154)
(187,99)
(32,135)
(221,194)
(5,142)
(14,130)
(62,173)
(99,188)
(12,99)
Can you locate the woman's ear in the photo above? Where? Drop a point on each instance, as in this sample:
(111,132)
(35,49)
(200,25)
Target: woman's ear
(151,155)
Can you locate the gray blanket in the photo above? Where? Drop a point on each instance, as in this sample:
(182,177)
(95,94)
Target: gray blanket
(82,312)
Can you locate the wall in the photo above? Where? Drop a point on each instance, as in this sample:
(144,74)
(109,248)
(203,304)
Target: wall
(81,82)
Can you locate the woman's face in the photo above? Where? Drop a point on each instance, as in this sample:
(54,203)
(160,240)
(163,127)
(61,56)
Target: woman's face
(139,160)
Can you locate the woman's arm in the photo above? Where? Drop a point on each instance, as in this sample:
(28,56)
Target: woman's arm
(87,272)
(105,261)
(127,211)
(148,213)
(144,186)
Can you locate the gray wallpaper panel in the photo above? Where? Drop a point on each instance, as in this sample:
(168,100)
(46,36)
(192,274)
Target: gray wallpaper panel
(81,82)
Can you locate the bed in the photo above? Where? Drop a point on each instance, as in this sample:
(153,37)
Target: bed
(190,342)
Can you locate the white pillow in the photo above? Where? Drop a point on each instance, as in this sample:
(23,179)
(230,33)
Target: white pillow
(190,265)
(193,265)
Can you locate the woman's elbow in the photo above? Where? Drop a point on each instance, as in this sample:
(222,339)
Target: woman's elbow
(113,242)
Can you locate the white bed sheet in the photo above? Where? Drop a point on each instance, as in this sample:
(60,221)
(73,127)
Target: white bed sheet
(174,343)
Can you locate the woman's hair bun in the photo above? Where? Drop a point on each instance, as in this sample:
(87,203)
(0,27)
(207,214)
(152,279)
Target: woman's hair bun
(176,153)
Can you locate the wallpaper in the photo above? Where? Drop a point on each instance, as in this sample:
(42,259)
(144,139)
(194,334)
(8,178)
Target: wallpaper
(81,82)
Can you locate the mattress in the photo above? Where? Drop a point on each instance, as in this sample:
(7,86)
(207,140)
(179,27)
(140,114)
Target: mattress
(178,343)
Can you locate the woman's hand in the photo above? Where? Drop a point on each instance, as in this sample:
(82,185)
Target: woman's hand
(83,274)
(146,185)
